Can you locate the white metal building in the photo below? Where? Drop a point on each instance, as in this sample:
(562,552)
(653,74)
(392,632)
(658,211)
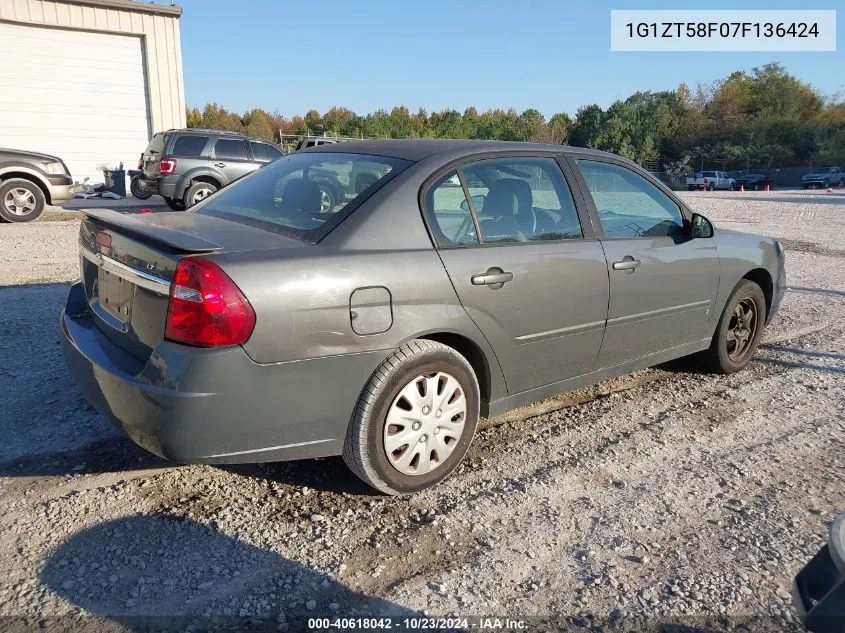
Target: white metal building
(89,80)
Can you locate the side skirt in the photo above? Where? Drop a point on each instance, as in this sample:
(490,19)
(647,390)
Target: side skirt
(556,388)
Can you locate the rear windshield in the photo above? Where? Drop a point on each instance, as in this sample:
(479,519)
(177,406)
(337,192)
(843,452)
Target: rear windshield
(303,195)
(156,144)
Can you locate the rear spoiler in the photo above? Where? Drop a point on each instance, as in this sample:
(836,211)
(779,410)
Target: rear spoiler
(161,235)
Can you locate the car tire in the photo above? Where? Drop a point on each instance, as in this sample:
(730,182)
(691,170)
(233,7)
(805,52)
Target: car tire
(722,357)
(139,190)
(416,373)
(175,205)
(197,192)
(732,186)
(711,187)
(827,184)
(327,198)
(21,200)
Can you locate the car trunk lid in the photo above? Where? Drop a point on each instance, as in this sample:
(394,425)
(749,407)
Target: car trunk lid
(128,262)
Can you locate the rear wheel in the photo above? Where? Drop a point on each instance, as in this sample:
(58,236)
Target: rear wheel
(414,420)
(197,192)
(20,200)
(739,330)
(175,205)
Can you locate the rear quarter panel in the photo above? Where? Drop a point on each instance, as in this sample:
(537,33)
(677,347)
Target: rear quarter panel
(302,303)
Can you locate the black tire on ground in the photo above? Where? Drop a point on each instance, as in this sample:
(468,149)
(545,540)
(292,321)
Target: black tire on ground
(139,190)
(711,187)
(827,184)
(717,358)
(175,205)
(21,200)
(197,192)
(364,451)
(732,186)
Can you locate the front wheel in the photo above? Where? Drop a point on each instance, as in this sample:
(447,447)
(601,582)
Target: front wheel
(414,420)
(739,330)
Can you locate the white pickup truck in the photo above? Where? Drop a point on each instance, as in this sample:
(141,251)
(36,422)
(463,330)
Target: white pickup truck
(824,178)
(710,180)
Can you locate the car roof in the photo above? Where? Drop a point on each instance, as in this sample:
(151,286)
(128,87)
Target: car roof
(418,149)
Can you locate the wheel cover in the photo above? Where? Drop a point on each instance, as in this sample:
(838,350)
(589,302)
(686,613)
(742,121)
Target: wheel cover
(741,329)
(19,201)
(325,202)
(425,423)
(201,194)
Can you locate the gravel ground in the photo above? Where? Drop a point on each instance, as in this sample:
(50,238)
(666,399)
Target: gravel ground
(664,496)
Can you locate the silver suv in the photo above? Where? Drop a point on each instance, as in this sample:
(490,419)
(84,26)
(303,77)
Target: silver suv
(191,164)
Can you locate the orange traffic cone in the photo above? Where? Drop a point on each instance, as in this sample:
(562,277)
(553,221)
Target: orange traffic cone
(742,187)
(829,190)
(767,187)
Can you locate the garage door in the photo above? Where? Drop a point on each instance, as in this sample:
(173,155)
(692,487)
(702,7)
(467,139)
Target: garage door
(79,95)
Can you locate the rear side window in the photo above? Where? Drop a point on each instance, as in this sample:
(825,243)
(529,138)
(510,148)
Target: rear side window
(303,195)
(230,149)
(189,146)
(264,152)
(521,199)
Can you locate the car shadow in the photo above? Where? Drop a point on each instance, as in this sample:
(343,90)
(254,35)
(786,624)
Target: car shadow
(170,573)
(328,474)
(823,291)
(49,427)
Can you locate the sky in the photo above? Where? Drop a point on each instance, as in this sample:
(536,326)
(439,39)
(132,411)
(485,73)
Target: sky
(552,55)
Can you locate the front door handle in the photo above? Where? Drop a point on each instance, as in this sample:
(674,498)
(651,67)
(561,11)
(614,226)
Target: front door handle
(628,264)
(495,278)
(220,165)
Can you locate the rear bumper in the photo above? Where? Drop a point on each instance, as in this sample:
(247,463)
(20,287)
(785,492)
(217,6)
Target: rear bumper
(168,187)
(214,406)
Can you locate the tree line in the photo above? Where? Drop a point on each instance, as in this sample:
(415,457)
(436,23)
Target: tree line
(762,119)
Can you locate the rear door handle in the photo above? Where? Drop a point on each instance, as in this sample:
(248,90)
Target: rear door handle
(220,165)
(494,277)
(628,264)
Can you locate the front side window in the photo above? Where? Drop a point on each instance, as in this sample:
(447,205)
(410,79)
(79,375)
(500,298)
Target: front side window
(628,205)
(264,152)
(289,195)
(521,199)
(230,149)
(448,212)
(189,146)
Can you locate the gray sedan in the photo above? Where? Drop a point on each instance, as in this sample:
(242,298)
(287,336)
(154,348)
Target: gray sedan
(451,280)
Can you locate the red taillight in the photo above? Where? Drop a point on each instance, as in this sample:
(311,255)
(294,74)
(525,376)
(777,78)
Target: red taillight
(141,162)
(206,308)
(168,166)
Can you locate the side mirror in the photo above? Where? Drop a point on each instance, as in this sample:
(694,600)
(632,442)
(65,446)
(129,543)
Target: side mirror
(700,226)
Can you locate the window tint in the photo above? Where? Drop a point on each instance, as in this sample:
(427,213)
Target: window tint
(629,205)
(300,195)
(230,149)
(448,212)
(521,199)
(189,146)
(264,152)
